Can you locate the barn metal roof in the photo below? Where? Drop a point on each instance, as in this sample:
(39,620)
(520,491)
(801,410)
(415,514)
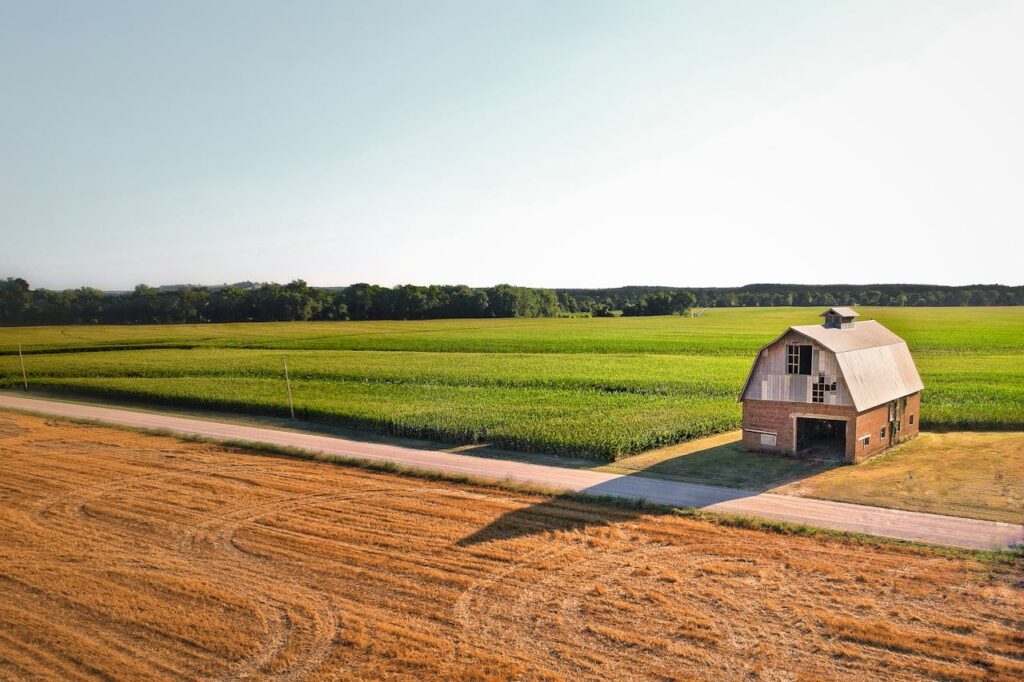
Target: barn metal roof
(841,311)
(867,334)
(876,364)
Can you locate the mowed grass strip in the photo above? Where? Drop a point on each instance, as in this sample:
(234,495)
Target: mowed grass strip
(599,388)
(977,475)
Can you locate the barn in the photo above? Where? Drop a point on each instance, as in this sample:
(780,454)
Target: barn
(841,389)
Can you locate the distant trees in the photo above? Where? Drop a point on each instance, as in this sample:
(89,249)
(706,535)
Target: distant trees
(410,302)
(15,298)
(268,302)
(661,303)
(510,301)
(653,300)
(244,302)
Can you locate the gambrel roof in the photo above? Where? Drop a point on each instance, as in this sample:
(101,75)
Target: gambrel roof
(876,364)
(862,335)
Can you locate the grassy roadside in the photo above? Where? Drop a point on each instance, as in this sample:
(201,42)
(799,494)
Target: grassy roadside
(969,474)
(965,474)
(715,460)
(730,520)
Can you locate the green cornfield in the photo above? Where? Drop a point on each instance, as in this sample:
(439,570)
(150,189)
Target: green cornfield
(595,387)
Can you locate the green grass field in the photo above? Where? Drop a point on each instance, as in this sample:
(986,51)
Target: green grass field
(600,388)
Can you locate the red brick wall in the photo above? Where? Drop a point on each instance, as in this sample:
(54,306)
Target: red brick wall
(870,423)
(913,408)
(765,415)
(779,417)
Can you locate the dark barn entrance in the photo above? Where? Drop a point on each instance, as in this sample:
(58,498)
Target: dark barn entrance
(821,437)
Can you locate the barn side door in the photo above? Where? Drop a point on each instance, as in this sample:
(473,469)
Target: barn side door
(894,422)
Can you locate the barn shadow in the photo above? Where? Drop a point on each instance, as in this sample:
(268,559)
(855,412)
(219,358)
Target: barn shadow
(716,460)
(728,464)
(618,500)
(690,475)
(560,514)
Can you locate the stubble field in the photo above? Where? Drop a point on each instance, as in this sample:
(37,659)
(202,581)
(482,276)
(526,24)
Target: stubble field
(597,388)
(130,556)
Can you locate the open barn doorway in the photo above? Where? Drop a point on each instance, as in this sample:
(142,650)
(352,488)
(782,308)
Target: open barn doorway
(821,438)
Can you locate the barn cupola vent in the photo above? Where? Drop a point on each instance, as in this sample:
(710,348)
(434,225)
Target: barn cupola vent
(839,318)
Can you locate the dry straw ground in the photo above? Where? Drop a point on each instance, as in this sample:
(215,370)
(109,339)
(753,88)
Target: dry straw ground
(132,556)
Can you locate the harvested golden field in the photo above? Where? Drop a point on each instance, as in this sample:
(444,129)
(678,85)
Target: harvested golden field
(131,556)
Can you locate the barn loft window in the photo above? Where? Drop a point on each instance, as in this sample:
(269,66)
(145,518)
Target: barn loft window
(911,420)
(792,359)
(865,441)
(798,359)
(818,389)
(881,434)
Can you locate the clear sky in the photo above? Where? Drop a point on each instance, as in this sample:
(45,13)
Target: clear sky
(546,143)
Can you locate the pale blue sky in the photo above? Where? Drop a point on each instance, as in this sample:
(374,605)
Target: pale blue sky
(538,143)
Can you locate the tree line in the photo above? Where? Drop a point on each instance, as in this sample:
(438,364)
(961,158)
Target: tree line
(596,301)
(266,302)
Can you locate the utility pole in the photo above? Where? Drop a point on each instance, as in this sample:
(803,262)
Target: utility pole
(288,383)
(24,376)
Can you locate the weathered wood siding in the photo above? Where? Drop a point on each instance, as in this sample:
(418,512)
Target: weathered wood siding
(770,381)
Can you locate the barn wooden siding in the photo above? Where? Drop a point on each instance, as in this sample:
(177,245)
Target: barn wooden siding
(770,381)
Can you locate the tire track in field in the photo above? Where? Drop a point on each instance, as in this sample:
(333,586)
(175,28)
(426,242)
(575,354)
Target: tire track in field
(285,618)
(510,625)
(72,502)
(120,637)
(296,616)
(51,516)
(9,428)
(213,544)
(486,618)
